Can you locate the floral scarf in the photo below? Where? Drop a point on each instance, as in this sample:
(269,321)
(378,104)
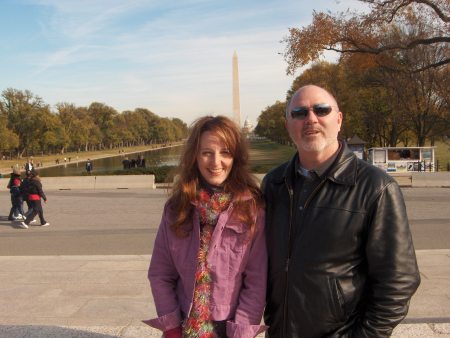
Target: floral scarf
(209,205)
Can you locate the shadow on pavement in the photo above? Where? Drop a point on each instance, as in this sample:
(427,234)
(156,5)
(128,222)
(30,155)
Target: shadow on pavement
(7,223)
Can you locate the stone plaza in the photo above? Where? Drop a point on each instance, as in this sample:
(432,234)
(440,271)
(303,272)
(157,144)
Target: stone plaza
(86,274)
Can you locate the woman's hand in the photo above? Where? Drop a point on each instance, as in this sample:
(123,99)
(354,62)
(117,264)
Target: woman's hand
(173,333)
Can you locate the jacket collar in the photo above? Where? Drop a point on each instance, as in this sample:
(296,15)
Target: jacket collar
(342,171)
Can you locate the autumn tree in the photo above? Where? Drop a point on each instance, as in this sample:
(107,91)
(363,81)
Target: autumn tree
(53,136)
(271,123)
(321,73)
(121,134)
(83,132)
(103,117)
(181,128)
(349,32)
(138,127)
(8,139)
(22,109)
(401,47)
(422,97)
(27,125)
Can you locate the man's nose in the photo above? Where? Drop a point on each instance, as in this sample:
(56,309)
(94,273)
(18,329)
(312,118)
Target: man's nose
(311,117)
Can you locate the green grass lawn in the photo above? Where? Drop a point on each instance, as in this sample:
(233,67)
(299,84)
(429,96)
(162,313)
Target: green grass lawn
(442,154)
(265,155)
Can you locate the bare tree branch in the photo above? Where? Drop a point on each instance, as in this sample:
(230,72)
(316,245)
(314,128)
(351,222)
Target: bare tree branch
(433,65)
(352,33)
(383,6)
(358,47)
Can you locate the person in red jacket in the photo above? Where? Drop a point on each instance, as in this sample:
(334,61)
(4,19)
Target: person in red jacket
(35,193)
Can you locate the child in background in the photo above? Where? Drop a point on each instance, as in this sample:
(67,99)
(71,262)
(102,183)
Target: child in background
(24,192)
(35,193)
(14,183)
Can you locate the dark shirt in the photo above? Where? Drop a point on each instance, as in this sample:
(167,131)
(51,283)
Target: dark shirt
(306,181)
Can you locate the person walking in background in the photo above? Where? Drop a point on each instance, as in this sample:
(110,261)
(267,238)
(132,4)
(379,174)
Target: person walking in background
(24,193)
(341,257)
(209,265)
(16,212)
(140,161)
(35,194)
(126,163)
(29,166)
(132,163)
(89,166)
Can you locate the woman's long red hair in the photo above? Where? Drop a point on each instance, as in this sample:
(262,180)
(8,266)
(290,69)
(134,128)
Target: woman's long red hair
(239,182)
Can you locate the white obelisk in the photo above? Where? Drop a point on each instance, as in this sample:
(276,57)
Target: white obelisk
(236,98)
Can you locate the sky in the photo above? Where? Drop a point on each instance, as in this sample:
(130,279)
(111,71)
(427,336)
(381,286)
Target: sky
(172,57)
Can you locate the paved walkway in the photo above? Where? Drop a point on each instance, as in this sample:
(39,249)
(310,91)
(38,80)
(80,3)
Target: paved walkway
(107,296)
(96,295)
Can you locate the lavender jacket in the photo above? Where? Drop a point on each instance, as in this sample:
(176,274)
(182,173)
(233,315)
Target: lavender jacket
(238,269)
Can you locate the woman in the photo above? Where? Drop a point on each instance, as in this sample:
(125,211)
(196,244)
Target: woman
(35,193)
(209,263)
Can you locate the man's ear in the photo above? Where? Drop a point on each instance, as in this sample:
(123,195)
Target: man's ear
(340,119)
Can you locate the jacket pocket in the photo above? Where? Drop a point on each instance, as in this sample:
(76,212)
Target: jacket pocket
(337,299)
(237,228)
(231,251)
(234,237)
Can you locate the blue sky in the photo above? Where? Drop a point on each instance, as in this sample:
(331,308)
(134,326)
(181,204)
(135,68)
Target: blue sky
(169,56)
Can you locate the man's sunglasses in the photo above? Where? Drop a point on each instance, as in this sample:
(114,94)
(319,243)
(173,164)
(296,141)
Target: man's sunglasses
(320,109)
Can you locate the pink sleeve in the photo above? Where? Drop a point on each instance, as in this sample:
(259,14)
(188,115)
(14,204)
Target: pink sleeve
(166,322)
(252,297)
(163,280)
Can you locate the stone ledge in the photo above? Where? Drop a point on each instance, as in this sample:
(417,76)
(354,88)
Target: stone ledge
(95,182)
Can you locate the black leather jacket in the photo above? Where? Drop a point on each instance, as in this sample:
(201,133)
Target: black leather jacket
(347,267)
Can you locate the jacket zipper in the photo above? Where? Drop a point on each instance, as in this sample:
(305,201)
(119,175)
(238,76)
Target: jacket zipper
(313,193)
(286,268)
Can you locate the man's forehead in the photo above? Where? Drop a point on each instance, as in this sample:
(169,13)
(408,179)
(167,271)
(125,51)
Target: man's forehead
(312,96)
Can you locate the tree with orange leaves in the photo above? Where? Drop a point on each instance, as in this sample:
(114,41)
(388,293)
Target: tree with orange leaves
(368,33)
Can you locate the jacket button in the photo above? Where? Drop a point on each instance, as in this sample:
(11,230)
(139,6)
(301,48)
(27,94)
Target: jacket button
(300,208)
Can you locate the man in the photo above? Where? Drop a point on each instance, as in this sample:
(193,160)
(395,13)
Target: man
(89,166)
(126,163)
(29,166)
(341,258)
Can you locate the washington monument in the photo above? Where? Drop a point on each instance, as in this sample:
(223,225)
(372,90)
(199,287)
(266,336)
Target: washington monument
(236,98)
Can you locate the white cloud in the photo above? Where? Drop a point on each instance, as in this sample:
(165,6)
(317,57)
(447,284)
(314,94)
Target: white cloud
(172,57)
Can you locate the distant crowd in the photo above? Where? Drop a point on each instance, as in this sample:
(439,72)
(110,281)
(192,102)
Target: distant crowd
(134,163)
